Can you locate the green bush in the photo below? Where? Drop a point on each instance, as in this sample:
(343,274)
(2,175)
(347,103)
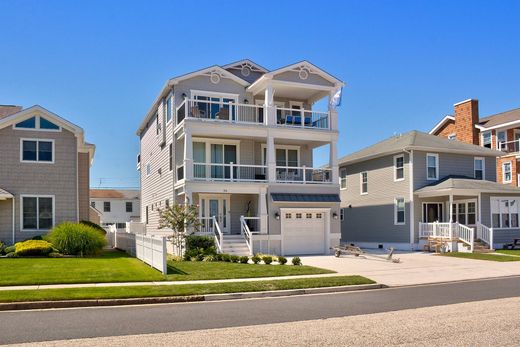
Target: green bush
(77,239)
(225,257)
(94,225)
(244,259)
(200,257)
(33,248)
(209,258)
(198,242)
(12,255)
(234,258)
(296,261)
(2,248)
(217,257)
(10,249)
(256,259)
(267,259)
(282,260)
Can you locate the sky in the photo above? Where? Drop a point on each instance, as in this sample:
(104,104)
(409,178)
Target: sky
(100,64)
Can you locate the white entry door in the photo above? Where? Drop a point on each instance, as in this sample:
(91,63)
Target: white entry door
(216,206)
(303,231)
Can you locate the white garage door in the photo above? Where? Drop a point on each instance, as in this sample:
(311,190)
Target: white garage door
(303,232)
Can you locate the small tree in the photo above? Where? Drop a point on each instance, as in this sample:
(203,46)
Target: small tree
(182,219)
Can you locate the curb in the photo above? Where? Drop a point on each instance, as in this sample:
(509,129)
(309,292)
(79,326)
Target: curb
(35,305)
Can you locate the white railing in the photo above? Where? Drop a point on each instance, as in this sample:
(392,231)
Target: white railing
(229,172)
(509,146)
(294,174)
(293,118)
(465,234)
(246,232)
(206,226)
(219,237)
(485,234)
(135,227)
(436,230)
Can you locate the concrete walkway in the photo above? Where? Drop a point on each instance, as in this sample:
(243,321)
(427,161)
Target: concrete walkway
(415,268)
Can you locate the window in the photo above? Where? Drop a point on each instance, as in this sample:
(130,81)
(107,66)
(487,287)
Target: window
(432,166)
(343,178)
(298,216)
(148,169)
(341,214)
(486,139)
(364,182)
(106,206)
(308,215)
(129,207)
(319,215)
(399,211)
(37,151)
(506,172)
(479,168)
(27,124)
(37,212)
(170,156)
(93,204)
(146,215)
(48,125)
(121,225)
(504,213)
(288,216)
(452,136)
(399,167)
(37,122)
(169,109)
(501,139)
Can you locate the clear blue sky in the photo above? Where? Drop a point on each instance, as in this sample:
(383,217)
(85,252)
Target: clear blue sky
(100,64)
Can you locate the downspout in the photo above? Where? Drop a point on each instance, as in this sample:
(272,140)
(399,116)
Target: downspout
(412,205)
(14,219)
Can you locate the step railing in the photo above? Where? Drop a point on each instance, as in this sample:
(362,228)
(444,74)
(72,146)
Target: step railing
(465,234)
(436,230)
(219,237)
(208,226)
(246,232)
(485,234)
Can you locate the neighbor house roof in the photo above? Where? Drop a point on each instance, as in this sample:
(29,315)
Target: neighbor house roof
(4,194)
(416,140)
(454,185)
(293,197)
(126,194)
(500,119)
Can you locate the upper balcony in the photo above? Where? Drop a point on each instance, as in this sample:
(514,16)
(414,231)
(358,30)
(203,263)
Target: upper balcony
(226,110)
(509,146)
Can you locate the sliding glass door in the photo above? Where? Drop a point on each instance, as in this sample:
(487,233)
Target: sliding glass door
(223,154)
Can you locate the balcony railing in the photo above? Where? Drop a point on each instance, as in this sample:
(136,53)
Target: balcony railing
(509,146)
(290,174)
(251,114)
(229,172)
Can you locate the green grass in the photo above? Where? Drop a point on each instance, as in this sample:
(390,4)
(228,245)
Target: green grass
(177,290)
(509,251)
(482,256)
(114,266)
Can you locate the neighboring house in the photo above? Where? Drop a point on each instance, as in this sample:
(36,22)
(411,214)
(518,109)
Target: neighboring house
(399,191)
(44,172)
(500,131)
(238,141)
(116,206)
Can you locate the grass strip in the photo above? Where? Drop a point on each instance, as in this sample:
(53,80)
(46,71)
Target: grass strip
(177,290)
(482,256)
(515,252)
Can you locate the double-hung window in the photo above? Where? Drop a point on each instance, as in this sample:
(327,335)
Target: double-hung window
(501,140)
(399,209)
(504,212)
(432,166)
(37,212)
(343,178)
(479,168)
(399,167)
(129,207)
(106,206)
(486,139)
(41,151)
(506,172)
(364,183)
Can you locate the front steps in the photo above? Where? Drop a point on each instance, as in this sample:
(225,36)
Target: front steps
(235,244)
(481,247)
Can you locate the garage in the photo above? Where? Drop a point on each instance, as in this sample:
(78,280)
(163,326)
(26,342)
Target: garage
(303,231)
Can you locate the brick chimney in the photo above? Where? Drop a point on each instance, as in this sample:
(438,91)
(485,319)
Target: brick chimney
(7,110)
(466,116)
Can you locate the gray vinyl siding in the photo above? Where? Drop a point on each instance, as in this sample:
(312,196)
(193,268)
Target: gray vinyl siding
(203,83)
(370,217)
(293,76)
(500,236)
(450,164)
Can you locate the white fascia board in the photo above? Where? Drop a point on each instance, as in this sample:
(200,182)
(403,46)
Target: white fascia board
(441,123)
(503,125)
(33,110)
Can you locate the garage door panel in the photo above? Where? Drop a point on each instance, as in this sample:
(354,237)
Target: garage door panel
(304,235)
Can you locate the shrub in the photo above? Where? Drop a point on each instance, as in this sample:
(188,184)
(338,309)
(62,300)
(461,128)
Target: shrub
(55,255)
(218,257)
(234,258)
(256,259)
(225,257)
(94,225)
(2,248)
(33,248)
(200,257)
(296,261)
(12,255)
(282,260)
(209,258)
(244,259)
(267,259)
(200,242)
(77,239)
(9,249)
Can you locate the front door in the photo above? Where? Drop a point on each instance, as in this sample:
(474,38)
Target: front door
(216,206)
(432,212)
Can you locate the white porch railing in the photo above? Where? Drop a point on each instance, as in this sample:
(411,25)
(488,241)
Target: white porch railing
(293,174)
(229,172)
(219,237)
(465,234)
(246,232)
(436,230)
(485,234)
(293,117)
(209,227)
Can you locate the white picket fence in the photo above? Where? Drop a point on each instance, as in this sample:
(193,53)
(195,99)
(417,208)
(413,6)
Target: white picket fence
(149,249)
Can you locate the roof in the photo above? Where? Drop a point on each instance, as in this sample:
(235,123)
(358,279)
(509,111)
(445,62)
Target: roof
(292,197)
(441,123)
(114,194)
(500,119)
(4,194)
(454,184)
(416,140)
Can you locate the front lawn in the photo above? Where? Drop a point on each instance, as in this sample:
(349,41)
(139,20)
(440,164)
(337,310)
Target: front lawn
(482,256)
(115,266)
(509,251)
(177,290)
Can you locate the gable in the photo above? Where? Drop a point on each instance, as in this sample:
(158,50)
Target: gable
(246,69)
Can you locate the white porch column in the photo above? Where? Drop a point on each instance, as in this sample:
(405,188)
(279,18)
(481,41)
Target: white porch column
(333,161)
(271,159)
(333,114)
(262,210)
(450,211)
(14,220)
(188,155)
(188,198)
(269,105)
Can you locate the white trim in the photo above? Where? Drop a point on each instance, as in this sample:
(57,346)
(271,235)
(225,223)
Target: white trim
(395,167)
(483,167)
(53,197)
(361,183)
(441,123)
(203,72)
(510,172)
(343,178)
(490,138)
(438,203)
(37,125)
(220,198)
(235,65)
(436,155)
(194,92)
(463,102)
(465,202)
(37,161)
(503,125)
(491,198)
(396,210)
(33,111)
(411,199)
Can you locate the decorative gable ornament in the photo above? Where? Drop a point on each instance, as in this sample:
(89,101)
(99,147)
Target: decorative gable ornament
(214,78)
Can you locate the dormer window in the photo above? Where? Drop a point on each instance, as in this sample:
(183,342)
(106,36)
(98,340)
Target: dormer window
(37,123)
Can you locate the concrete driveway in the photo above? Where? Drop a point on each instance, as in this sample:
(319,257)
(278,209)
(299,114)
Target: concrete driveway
(415,268)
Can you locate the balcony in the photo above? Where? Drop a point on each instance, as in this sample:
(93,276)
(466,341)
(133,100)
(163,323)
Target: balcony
(231,112)
(510,146)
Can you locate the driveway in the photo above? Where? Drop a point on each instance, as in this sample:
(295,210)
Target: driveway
(414,268)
